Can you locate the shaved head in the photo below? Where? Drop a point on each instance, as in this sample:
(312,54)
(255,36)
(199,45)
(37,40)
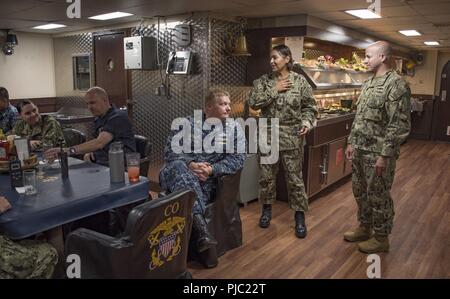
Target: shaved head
(378,57)
(382,48)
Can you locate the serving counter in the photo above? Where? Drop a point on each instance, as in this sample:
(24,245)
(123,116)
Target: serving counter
(324,155)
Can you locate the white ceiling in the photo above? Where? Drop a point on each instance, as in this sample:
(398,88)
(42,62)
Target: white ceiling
(430,17)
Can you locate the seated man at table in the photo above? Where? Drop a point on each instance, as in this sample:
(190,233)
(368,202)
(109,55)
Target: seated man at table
(42,130)
(111,125)
(27,258)
(8,113)
(199,170)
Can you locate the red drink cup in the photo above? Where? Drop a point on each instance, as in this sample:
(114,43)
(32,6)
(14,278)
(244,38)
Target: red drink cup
(133,163)
(133,174)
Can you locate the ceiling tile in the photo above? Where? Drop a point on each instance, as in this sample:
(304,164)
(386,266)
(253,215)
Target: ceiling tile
(432,8)
(397,11)
(17,25)
(43,12)
(333,5)
(10,6)
(114,5)
(401,21)
(439,19)
(333,15)
(425,1)
(173,7)
(396,14)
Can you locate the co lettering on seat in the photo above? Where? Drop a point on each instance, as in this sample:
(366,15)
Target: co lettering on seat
(172,209)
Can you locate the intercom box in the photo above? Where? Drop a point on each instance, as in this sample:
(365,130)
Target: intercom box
(140,53)
(179,63)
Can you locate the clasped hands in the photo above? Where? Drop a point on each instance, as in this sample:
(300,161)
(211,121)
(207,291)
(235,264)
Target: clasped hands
(202,170)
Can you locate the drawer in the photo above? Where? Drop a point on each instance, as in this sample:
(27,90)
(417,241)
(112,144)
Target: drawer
(325,134)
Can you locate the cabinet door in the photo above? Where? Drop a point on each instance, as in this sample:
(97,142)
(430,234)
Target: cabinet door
(336,161)
(347,164)
(317,168)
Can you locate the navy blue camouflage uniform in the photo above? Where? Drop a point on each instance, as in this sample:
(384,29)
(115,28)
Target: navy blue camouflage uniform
(8,118)
(176,175)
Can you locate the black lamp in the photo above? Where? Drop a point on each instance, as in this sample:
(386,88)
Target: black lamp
(11,39)
(10,42)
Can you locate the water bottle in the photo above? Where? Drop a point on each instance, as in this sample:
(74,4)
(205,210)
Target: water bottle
(63,160)
(116,163)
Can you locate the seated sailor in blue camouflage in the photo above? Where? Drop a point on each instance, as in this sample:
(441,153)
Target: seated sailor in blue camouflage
(288,97)
(8,113)
(199,163)
(382,123)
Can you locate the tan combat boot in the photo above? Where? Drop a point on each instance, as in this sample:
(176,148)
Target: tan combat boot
(362,233)
(378,243)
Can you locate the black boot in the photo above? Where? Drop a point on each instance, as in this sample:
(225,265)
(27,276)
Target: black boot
(266,216)
(204,239)
(300,226)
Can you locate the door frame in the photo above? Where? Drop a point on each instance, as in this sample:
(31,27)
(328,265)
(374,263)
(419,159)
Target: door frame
(437,122)
(129,92)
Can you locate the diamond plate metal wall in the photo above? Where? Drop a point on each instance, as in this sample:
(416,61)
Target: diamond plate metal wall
(314,53)
(153,115)
(228,72)
(213,68)
(82,43)
(225,69)
(69,46)
(65,48)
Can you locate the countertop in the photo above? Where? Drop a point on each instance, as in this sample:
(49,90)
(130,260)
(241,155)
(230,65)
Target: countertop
(330,119)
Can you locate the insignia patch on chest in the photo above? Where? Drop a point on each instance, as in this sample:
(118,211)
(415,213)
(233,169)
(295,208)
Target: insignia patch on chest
(396,93)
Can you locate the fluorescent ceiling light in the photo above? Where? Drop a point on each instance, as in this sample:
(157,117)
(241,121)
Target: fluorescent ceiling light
(49,26)
(112,15)
(432,43)
(410,32)
(363,14)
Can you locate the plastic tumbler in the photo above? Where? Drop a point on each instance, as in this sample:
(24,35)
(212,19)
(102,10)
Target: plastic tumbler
(29,181)
(133,163)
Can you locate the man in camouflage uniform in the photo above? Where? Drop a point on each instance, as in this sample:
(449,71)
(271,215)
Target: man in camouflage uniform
(381,125)
(199,170)
(25,259)
(39,129)
(295,108)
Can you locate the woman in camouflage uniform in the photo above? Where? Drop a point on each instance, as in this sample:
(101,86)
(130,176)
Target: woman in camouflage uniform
(40,129)
(286,96)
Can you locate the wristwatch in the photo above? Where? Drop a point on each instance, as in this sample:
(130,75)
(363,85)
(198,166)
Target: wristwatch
(72,151)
